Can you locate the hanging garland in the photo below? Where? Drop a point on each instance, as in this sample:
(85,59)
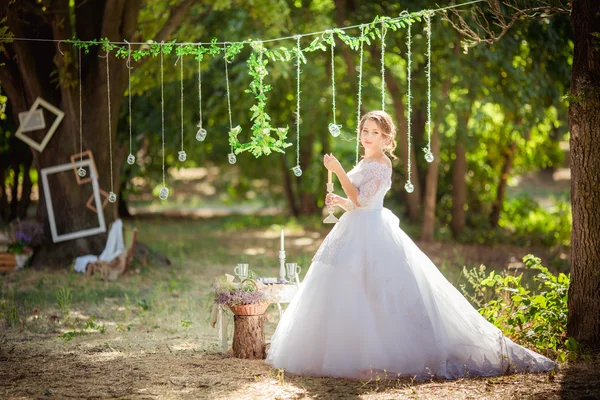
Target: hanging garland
(265,138)
(262,143)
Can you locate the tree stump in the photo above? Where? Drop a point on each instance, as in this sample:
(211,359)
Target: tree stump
(249,336)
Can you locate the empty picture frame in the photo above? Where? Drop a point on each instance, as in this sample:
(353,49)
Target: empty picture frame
(48,196)
(59,116)
(93,174)
(35,121)
(90,202)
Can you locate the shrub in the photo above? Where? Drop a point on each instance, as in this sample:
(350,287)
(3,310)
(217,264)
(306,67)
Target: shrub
(534,318)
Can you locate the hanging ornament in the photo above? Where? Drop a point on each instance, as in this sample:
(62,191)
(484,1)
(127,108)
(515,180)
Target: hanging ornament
(112,196)
(409,187)
(428,155)
(297,170)
(360,71)
(164,192)
(231,156)
(181,155)
(130,157)
(80,171)
(201,134)
(334,128)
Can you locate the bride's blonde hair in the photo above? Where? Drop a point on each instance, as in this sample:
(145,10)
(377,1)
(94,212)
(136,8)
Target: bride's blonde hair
(388,129)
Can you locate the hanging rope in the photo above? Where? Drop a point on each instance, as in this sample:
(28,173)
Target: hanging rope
(408,186)
(181,155)
(80,171)
(334,128)
(383,32)
(428,155)
(231,156)
(360,71)
(201,134)
(164,191)
(297,169)
(130,157)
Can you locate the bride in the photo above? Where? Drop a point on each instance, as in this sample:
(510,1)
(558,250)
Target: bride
(373,302)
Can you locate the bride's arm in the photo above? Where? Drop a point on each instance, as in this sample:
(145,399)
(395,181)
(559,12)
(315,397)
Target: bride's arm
(333,165)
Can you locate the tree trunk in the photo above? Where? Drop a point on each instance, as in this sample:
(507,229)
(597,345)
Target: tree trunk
(459,183)
(249,336)
(498,203)
(431,179)
(584,125)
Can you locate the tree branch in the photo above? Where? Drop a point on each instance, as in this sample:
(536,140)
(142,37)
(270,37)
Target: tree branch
(503,14)
(175,19)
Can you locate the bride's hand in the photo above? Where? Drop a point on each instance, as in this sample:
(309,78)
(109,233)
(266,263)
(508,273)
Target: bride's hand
(334,200)
(332,164)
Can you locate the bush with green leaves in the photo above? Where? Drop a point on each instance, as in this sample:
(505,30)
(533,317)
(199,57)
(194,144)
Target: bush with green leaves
(535,318)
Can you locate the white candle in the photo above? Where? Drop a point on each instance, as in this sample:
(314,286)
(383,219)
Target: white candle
(328,176)
(282,240)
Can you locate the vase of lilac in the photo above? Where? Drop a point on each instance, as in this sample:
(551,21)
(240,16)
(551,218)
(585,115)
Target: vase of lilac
(243,298)
(23,236)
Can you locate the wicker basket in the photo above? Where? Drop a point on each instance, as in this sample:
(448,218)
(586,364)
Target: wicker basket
(250,309)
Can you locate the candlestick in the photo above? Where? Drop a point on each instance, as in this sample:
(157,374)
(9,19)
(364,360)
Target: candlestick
(282,265)
(331,219)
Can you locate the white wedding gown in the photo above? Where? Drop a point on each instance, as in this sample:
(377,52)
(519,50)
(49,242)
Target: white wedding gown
(372,301)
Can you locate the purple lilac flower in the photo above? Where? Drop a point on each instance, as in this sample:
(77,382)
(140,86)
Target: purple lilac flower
(23,237)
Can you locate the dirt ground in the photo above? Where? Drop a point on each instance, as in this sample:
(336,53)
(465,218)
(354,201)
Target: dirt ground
(36,367)
(146,336)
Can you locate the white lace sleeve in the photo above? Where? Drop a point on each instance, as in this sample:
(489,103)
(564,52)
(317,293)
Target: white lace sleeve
(376,176)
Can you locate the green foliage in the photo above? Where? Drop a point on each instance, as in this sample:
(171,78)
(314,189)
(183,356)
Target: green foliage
(529,224)
(64,299)
(535,318)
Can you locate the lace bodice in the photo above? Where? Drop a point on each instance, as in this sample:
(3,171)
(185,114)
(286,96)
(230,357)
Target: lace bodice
(373,180)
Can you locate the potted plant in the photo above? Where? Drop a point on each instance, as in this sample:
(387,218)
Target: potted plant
(243,298)
(22,237)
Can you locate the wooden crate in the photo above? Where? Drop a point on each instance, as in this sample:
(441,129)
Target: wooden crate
(8,262)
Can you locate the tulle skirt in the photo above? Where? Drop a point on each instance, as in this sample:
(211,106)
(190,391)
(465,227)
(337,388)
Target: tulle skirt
(372,301)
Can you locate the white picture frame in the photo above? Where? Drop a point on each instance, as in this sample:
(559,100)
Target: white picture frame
(42,145)
(36,120)
(49,207)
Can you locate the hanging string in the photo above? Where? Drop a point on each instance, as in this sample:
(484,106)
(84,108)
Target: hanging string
(130,157)
(408,186)
(428,155)
(231,156)
(334,128)
(164,192)
(360,70)
(383,32)
(201,134)
(297,170)
(264,41)
(112,197)
(80,171)
(181,155)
